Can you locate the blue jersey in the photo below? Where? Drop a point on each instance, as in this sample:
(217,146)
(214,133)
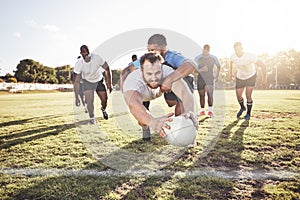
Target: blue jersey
(172,59)
(208,61)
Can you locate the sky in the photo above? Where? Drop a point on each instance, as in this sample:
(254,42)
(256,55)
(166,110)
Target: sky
(51,31)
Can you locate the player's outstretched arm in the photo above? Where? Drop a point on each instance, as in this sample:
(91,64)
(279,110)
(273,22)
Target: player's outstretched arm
(183,92)
(134,101)
(186,68)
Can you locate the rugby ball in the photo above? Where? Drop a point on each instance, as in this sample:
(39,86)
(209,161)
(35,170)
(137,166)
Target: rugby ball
(182,131)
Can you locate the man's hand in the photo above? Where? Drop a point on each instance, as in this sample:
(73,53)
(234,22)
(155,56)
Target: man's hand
(193,117)
(157,124)
(109,87)
(77,102)
(166,85)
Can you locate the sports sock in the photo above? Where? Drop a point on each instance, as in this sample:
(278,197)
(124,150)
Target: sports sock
(241,102)
(249,107)
(210,108)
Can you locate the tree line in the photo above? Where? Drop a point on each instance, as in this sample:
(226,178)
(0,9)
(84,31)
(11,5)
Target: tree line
(282,69)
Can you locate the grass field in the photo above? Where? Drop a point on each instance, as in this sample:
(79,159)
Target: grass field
(48,151)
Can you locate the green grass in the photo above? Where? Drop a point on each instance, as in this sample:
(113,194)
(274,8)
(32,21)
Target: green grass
(42,131)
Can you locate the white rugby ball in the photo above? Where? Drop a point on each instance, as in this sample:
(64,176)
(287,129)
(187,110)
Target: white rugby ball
(182,131)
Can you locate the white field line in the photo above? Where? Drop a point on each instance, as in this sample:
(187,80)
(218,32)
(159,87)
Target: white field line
(224,173)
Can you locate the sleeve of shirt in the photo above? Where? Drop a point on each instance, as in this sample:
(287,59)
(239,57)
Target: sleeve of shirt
(216,61)
(77,68)
(175,59)
(136,64)
(132,82)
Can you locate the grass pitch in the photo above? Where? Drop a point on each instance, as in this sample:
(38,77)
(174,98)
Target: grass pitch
(49,152)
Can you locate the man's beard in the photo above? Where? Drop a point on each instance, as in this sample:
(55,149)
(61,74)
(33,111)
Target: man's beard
(158,85)
(158,81)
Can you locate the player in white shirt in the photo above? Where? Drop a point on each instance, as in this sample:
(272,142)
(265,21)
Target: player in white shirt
(144,85)
(246,76)
(91,68)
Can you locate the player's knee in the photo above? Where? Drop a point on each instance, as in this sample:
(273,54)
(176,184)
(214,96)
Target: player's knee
(171,103)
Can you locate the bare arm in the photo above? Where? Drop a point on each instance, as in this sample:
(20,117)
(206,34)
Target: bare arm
(186,68)
(231,70)
(76,88)
(108,76)
(263,67)
(183,92)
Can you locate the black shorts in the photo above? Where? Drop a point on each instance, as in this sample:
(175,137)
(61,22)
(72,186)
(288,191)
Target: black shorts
(201,83)
(250,82)
(98,86)
(190,82)
(101,87)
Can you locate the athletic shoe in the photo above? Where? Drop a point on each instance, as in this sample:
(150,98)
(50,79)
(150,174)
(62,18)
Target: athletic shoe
(202,113)
(92,120)
(105,115)
(247,117)
(146,134)
(240,112)
(210,114)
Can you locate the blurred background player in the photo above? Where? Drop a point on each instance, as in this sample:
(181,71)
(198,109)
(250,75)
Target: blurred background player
(91,68)
(245,77)
(205,80)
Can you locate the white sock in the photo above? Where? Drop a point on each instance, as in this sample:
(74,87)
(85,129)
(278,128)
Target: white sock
(202,110)
(210,108)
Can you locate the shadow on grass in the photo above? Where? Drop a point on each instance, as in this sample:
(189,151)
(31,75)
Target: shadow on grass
(146,187)
(35,133)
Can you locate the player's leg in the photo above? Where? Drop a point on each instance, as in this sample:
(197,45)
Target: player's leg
(201,91)
(88,92)
(240,87)
(249,89)
(210,99)
(102,94)
(172,100)
(89,99)
(146,130)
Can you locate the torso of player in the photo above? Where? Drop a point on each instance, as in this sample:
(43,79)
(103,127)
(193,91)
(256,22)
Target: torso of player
(207,61)
(245,65)
(90,71)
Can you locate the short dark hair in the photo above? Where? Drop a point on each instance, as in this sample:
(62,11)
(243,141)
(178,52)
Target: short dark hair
(152,57)
(84,47)
(158,39)
(206,46)
(134,57)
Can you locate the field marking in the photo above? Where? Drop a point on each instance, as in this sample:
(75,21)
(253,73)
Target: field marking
(209,172)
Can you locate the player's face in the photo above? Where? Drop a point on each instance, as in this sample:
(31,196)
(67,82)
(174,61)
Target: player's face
(238,50)
(205,51)
(154,48)
(152,74)
(84,52)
